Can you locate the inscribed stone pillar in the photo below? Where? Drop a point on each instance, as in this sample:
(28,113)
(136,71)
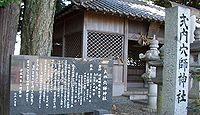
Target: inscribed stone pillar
(176,61)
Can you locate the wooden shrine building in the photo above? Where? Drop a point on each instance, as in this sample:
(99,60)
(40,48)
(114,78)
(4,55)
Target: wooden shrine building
(109,28)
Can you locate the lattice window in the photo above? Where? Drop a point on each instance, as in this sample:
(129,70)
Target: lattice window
(73,45)
(104,45)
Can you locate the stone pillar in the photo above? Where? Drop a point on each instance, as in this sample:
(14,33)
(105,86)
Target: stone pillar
(176,61)
(158,80)
(159,76)
(150,55)
(152,87)
(152,96)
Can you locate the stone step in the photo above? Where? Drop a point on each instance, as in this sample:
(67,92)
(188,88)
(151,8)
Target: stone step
(115,114)
(109,114)
(138,97)
(127,93)
(136,94)
(28,114)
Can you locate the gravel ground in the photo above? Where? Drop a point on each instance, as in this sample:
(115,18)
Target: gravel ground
(124,106)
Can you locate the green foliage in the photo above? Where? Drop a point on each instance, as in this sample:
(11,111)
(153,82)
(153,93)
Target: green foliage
(191,3)
(163,3)
(194,3)
(4,3)
(166,3)
(195,105)
(59,5)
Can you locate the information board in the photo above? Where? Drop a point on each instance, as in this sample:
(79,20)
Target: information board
(57,85)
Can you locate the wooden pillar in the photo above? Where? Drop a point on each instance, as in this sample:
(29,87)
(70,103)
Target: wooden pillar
(84,47)
(63,38)
(125,52)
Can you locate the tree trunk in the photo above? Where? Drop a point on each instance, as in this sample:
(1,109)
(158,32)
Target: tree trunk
(8,31)
(36,37)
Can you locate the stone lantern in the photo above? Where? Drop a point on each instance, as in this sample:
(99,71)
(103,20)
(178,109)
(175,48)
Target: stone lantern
(194,70)
(195,65)
(159,78)
(151,55)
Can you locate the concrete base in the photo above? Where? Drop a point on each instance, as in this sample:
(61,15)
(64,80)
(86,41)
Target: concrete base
(136,93)
(152,96)
(28,114)
(149,109)
(137,97)
(118,89)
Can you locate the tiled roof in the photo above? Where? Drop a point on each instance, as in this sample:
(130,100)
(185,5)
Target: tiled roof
(129,9)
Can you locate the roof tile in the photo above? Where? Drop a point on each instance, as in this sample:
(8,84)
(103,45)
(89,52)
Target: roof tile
(148,11)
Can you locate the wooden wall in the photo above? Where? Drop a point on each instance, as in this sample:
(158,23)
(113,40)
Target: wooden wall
(73,35)
(84,21)
(58,37)
(138,26)
(144,27)
(64,27)
(73,22)
(100,22)
(104,23)
(161,33)
(58,29)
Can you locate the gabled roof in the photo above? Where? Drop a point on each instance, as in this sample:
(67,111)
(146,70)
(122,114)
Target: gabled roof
(120,7)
